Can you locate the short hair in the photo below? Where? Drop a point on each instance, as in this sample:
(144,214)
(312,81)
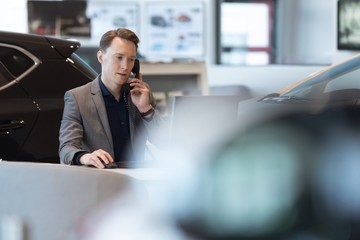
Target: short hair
(123,33)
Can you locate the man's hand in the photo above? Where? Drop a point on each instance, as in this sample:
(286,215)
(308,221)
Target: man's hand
(97,158)
(140,94)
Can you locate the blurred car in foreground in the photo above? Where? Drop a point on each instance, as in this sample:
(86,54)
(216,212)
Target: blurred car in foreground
(335,85)
(289,171)
(294,176)
(35,72)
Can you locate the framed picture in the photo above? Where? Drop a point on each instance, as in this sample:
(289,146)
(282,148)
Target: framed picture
(348,24)
(111,15)
(175,29)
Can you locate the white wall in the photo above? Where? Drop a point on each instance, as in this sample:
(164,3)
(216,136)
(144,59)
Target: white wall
(260,80)
(306,30)
(13,15)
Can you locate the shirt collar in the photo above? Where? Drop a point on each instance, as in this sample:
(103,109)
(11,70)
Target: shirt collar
(104,90)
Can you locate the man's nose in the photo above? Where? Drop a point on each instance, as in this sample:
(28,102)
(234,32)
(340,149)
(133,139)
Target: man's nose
(125,65)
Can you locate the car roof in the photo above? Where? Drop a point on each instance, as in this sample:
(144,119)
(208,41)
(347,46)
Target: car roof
(41,45)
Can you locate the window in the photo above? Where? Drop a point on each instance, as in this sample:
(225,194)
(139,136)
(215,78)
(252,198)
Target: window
(15,63)
(60,18)
(244,31)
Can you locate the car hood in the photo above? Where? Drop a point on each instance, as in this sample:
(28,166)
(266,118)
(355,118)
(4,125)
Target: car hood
(258,109)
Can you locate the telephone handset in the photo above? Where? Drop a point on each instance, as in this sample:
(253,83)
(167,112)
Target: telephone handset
(136,68)
(135,71)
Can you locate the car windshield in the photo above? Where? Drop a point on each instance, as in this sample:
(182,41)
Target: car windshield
(340,82)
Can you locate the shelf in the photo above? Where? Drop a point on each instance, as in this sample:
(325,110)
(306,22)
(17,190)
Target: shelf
(189,77)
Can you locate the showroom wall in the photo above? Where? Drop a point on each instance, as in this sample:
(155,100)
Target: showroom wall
(306,42)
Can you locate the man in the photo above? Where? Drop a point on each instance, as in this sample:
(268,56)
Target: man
(104,120)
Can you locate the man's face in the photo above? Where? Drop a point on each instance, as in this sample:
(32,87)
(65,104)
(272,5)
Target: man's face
(117,61)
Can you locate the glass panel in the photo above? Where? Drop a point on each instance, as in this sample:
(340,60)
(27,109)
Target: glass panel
(60,18)
(5,77)
(245,32)
(15,62)
(245,24)
(347,81)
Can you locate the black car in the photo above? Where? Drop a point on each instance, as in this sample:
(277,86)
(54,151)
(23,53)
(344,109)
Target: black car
(35,72)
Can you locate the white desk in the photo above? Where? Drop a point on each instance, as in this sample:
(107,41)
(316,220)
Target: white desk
(143,174)
(154,180)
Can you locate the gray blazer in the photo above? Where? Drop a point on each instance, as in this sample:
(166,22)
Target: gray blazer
(85,125)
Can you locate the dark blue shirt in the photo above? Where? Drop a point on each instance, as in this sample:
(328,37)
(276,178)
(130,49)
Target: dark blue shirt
(118,116)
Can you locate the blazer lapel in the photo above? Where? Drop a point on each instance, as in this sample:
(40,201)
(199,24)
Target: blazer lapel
(100,108)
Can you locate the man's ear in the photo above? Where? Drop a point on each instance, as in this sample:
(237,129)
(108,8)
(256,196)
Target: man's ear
(100,56)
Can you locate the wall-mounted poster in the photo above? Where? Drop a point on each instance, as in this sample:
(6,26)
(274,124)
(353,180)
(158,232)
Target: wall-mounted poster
(175,30)
(106,15)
